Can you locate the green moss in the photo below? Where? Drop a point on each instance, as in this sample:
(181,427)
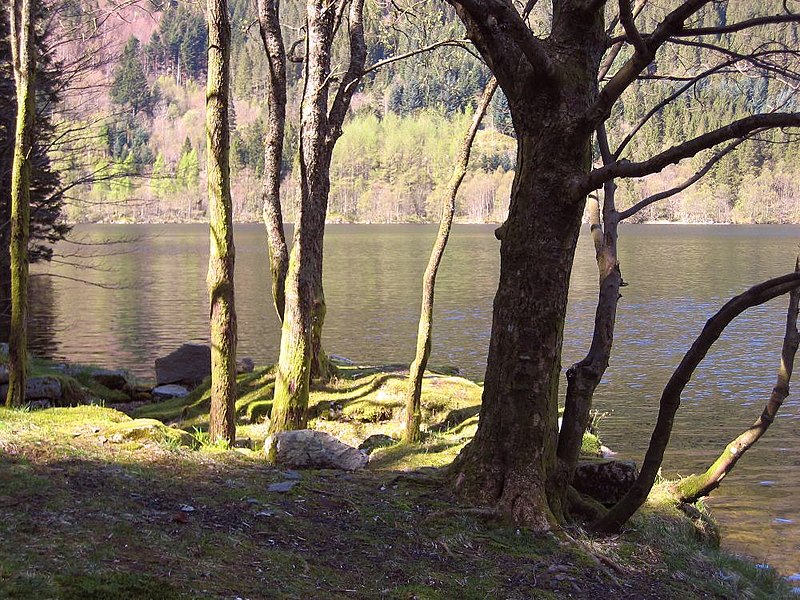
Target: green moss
(590,445)
(144,430)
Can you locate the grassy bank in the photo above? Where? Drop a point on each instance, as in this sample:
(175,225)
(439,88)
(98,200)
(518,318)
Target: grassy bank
(97,505)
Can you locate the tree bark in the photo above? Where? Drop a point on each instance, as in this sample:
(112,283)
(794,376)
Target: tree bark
(671,396)
(413,416)
(222,422)
(302,356)
(272,39)
(512,458)
(694,487)
(24,61)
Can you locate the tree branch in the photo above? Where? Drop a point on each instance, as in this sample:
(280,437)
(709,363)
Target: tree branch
(671,396)
(628,73)
(686,184)
(740,128)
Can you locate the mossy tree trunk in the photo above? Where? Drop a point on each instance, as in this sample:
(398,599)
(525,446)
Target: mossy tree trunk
(24,62)
(272,39)
(222,423)
(301,354)
(694,487)
(424,332)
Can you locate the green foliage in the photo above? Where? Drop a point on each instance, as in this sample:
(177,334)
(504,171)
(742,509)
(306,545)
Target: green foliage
(130,88)
(179,44)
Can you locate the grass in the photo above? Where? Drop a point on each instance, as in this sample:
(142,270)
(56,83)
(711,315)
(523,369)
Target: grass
(94,504)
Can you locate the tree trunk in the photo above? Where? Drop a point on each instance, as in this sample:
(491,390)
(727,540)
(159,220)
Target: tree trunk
(301,355)
(510,462)
(305,304)
(24,60)
(411,433)
(694,487)
(222,423)
(671,396)
(269,25)
(584,376)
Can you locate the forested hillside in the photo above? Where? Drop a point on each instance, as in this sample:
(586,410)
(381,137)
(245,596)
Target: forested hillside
(141,110)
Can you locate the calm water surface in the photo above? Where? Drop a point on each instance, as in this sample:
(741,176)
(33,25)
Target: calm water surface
(677,277)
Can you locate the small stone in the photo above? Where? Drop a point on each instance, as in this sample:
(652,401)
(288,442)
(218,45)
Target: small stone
(165,392)
(281,487)
(375,441)
(290,474)
(187,508)
(244,365)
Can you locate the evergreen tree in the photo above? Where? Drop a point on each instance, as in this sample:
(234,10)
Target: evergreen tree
(130,88)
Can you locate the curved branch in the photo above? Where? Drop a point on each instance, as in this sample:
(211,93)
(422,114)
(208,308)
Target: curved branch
(740,128)
(686,184)
(695,487)
(671,396)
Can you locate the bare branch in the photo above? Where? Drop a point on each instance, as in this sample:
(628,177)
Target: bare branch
(686,184)
(740,128)
(671,396)
(628,73)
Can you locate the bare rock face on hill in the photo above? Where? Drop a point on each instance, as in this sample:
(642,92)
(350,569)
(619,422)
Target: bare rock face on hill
(308,449)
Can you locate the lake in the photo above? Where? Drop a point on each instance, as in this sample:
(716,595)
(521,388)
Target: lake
(154,299)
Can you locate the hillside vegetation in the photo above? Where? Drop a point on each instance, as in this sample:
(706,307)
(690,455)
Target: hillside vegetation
(395,157)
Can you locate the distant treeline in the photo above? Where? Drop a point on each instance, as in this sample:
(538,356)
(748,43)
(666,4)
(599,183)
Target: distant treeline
(394,159)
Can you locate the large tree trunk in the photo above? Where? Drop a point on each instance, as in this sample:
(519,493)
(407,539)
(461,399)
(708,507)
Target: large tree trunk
(222,423)
(510,462)
(513,454)
(411,432)
(24,61)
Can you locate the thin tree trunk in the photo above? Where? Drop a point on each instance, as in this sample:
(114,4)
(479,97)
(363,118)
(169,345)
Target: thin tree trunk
(671,396)
(222,423)
(24,60)
(301,355)
(272,39)
(420,362)
(303,280)
(695,487)
(583,377)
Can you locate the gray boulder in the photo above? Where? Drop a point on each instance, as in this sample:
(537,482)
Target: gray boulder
(165,392)
(188,365)
(308,449)
(244,365)
(39,388)
(113,380)
(3,374)
(607,481)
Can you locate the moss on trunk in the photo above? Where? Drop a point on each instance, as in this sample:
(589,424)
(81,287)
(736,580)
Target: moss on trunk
(24,60)
(222,420)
